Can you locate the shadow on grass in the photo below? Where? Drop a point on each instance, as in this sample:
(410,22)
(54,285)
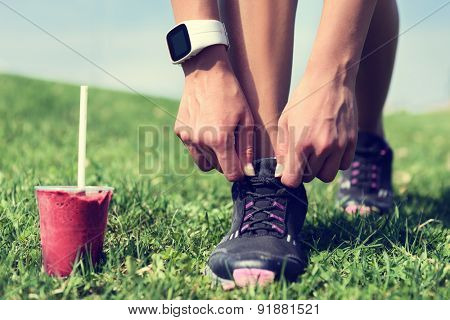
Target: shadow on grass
(402,227)
(428,207)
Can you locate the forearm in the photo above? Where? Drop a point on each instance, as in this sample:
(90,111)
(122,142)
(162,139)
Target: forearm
(211,57)
(195,10)
(341,35)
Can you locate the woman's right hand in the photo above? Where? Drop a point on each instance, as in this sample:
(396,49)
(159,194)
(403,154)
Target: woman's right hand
(214,120)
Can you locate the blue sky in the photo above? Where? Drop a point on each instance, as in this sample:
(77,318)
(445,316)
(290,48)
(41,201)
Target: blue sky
(127,39)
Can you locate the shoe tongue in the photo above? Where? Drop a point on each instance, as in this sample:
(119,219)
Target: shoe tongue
(265,168)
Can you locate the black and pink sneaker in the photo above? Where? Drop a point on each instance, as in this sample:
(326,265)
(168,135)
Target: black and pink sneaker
(366,187)
(262,244)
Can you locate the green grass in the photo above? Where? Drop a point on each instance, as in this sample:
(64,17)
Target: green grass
(163,225)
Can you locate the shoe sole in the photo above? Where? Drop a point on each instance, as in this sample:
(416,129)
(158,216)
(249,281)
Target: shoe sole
(244,277)
(361,209)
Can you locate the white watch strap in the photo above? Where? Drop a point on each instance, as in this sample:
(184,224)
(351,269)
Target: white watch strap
(205,33)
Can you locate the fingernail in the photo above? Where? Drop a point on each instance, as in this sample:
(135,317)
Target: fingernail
(249,170)
(278,170)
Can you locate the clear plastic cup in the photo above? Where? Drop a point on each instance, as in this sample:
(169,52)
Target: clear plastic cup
(72,225)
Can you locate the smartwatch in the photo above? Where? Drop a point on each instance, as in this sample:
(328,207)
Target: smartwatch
(190,37)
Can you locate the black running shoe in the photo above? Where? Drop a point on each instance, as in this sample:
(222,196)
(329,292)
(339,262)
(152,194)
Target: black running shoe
(262,244)
(366,187)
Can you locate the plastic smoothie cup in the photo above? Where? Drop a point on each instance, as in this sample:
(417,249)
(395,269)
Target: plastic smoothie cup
(72,225)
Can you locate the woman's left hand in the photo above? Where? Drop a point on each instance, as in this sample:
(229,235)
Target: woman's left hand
(317,129)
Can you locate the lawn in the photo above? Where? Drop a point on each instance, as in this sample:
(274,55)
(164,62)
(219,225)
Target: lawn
(166,216)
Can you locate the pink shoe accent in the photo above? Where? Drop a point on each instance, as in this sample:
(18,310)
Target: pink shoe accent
(351,209)
(277,228)
(361,209)
(245,226)
(278,205)
(276,217)
(248,277)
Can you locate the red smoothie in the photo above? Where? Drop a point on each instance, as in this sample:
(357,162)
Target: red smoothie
(72,223)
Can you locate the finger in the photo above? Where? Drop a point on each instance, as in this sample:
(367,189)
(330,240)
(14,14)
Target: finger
(228,159)
(348,156)
(210,155)
(245,145)
(185,135)
(294,165)
(282,147)
(330,167)
(312,167)
(199,158)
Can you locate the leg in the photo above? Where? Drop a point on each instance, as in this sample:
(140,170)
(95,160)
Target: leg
(375,71)
(373,156)
(261,35)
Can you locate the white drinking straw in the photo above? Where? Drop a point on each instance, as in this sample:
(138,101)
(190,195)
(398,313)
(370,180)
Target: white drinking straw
(82,137)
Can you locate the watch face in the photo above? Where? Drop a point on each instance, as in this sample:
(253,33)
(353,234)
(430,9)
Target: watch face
(178,42)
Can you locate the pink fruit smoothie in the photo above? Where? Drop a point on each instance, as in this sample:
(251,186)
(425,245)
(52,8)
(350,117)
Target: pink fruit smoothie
(72,223)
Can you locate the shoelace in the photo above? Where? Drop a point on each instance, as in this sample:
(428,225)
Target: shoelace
(270,221)
(365,170)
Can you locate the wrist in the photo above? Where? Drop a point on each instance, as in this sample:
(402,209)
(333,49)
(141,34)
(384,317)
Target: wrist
(338,68)
(211,58)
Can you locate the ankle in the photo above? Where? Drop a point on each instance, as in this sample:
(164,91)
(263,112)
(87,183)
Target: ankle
(376,129)
(265,141)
